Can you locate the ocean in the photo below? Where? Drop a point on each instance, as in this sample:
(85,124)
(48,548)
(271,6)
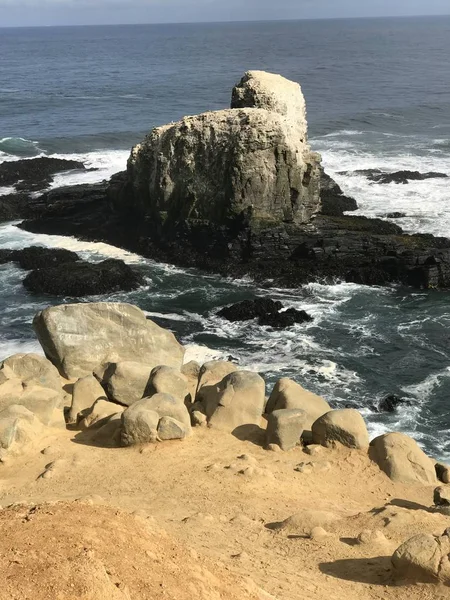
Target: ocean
(378,96)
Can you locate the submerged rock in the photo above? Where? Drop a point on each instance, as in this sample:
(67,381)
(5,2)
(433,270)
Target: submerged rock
(268,312)
(391,403)
(84,279)
(379,176)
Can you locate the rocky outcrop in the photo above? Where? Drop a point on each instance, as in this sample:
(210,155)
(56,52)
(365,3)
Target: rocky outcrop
(36,173)
(400,457)
(37,257)
(237,192)
(79,279)
(80,338)
(249,162)
(379,176)
(267,311)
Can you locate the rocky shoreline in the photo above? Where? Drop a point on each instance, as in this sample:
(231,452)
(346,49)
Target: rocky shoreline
(250,200)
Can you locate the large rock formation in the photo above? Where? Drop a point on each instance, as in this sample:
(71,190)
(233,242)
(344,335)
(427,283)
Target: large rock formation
(238,192)
(249,161)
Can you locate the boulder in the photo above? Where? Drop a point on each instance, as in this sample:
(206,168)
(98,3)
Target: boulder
(10,390)
(191,371)
(285,427)
(442,472)
(345,426)
(43,403)
(79,338)
(18,427)
(160,417)
(441,496)
(100,413)
(391,403)
(139,424)
(79,279)
(108,435)
(250,309)
(251,160)
(86,391)
(240,401)
(127,382)
(170,429)
(211,374)
(165,380)
(424,558)
(34,369)
(400,457)
(267,311)
(379,176)
(287,394)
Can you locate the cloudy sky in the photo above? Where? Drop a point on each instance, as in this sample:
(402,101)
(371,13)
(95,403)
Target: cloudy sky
(75,12)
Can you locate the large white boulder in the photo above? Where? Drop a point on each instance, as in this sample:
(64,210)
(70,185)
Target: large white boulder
(81,338)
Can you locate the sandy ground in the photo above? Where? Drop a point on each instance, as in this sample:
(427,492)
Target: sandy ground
(228,500)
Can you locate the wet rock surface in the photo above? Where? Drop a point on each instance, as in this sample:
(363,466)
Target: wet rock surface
(379,176)
(28,175)
(37,257)
(83,279)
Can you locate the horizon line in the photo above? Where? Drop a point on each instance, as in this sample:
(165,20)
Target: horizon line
(420,16)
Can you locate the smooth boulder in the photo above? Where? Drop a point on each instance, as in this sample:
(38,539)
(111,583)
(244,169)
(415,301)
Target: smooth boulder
(285,427)
(345,426)
(400,457)
(34,369)
(424,558)
(80,338)
(86,391)
(100,413)
(18,428)
(165,380)
(240,401)
(287,394)
(127,381)
(211,374)
(141,421)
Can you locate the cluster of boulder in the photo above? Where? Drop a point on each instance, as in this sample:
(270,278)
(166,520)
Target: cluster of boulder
(116,376)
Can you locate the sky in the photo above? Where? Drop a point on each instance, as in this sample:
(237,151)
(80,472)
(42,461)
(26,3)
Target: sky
(90,12)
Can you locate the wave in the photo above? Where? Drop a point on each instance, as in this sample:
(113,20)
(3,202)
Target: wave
(18,147)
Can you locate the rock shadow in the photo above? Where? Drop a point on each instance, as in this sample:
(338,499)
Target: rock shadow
(250,433)
(401,503)
(372,571)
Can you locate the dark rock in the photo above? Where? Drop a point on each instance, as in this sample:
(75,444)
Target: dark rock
(84,279)
(391,403)
(250,309)
(36,257)
(284,319)
(334,201)
(35,173)
(379,176)
(395,215)
(267,312)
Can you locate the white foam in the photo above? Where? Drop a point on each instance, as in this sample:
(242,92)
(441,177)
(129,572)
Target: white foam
(202,354)
(425,203)
(14,238)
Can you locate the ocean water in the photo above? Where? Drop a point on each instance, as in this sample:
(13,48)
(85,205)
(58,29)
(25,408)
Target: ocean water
(378,96)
